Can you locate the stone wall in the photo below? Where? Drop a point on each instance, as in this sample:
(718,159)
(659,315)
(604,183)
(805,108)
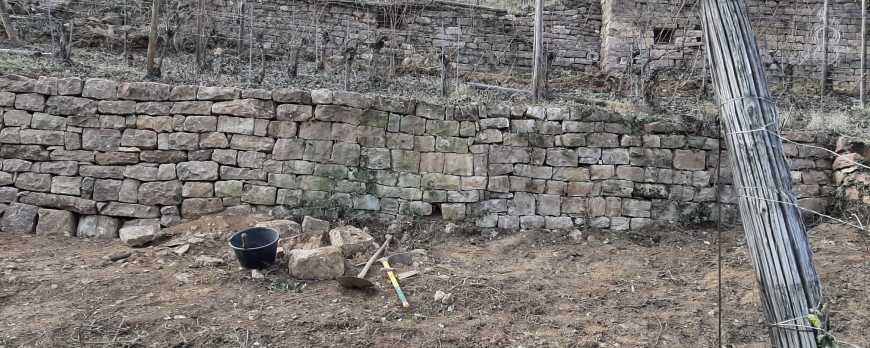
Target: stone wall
(477,40)
(582,34)
(852,178)
(788,35)
(82,157)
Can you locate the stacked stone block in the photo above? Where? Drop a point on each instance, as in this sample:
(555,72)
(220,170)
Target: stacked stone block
(82,157)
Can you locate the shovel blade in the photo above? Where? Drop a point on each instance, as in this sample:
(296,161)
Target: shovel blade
(354,282)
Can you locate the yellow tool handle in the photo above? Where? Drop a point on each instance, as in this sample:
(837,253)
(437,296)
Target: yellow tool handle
(396,285)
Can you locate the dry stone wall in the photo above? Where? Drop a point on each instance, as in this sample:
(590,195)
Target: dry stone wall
(788,34)
(476,40)
(583,35)
(84,157)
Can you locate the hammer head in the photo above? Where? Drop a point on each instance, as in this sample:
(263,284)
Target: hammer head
(403,258)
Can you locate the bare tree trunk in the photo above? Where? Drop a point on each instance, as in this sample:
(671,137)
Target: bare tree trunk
(788,283)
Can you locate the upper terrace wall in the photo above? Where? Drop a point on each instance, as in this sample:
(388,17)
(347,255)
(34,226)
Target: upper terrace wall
(83,156)
(788,34)
(487,41)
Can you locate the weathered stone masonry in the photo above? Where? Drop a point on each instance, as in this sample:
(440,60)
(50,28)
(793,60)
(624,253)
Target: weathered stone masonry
(583,35)
(82,157)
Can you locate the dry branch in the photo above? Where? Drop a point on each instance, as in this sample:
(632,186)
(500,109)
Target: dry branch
(23,52)
(484,87)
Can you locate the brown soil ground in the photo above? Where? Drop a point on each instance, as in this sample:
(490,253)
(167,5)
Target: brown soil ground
(523,289)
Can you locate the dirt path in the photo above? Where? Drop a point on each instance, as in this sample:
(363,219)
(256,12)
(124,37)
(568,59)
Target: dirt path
(532,289)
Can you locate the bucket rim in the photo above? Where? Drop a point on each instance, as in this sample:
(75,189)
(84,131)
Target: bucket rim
(275,233)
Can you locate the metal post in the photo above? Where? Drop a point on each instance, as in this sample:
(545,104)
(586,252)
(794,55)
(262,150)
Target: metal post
(536,59)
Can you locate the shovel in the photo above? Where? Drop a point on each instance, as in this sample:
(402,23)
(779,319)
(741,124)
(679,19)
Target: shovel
(359,282)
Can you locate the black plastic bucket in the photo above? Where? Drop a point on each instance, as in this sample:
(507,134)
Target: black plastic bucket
(262,247)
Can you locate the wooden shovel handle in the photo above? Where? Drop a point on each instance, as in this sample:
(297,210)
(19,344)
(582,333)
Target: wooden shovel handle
(362,274)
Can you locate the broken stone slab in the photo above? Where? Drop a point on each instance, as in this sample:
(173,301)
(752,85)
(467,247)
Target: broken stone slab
(138,235)
(350,240)
(53,222)
(285,228)
(307,240)
(19,218)
(310,224)
(320,263)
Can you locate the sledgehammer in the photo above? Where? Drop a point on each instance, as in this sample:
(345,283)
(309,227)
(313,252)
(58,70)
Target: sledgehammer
(404,258)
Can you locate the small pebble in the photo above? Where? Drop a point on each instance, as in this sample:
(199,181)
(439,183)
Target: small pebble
(448,299)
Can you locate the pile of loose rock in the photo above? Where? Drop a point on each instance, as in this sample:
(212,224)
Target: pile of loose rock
(314,250)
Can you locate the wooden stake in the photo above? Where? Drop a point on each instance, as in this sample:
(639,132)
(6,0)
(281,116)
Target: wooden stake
(536,59)
(152,38)
(863,83)
(199,47)
(251,45)
(10,30)
(776,237)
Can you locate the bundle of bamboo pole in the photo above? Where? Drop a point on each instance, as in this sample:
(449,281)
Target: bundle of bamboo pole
(776,236)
